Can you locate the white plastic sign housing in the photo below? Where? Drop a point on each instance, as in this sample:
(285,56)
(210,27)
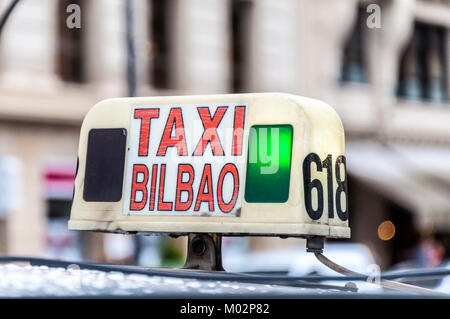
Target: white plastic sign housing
(239,164)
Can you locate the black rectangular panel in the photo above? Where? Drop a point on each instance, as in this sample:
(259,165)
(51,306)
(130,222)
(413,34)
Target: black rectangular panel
(105,161)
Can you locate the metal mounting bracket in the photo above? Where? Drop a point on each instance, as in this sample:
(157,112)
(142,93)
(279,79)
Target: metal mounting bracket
(204,252)
(314,244)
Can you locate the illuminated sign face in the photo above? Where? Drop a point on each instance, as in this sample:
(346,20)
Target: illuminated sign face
(255,164)
(185,160)
(269,163)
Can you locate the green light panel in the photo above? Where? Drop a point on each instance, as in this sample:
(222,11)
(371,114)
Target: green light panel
(268,164)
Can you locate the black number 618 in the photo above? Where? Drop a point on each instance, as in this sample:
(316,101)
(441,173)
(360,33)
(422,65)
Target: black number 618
(309,185)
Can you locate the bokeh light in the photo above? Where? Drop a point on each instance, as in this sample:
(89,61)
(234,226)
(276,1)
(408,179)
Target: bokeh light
(386,230)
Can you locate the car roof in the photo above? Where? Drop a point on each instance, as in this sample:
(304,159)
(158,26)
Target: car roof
(44,281)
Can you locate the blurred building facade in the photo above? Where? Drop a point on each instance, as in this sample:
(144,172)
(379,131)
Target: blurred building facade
(390,85)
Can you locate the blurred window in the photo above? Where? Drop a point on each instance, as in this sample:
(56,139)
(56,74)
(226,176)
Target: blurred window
(58,189)
(354,64)
(58,208)
(240,22)
(70,59)
(160,49)
(60,242)
(423,67)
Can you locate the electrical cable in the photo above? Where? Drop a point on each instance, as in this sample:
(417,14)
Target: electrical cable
(7,13)
(383,282)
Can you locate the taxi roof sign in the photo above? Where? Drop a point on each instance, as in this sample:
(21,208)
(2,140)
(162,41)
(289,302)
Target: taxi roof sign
(237,164)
